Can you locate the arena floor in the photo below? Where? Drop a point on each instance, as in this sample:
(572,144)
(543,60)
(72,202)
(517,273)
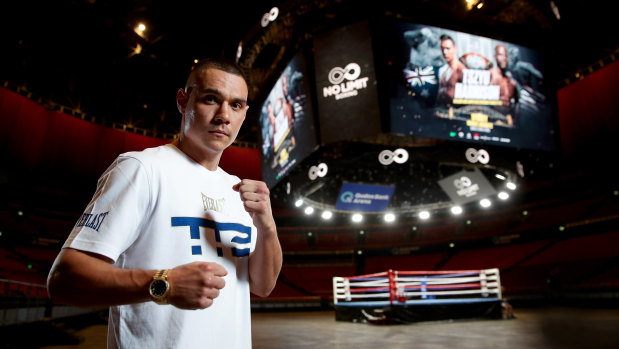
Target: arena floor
(543,327)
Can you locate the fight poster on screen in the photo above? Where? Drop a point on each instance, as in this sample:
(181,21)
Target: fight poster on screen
(287,122)
(458,86)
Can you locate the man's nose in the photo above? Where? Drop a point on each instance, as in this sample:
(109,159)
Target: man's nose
(223,113)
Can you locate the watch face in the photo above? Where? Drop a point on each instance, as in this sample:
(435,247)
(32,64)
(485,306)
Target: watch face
(158,288)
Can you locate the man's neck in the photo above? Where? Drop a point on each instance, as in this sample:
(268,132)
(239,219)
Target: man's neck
(205,158)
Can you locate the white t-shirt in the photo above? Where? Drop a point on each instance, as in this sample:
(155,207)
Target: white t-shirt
(158,209)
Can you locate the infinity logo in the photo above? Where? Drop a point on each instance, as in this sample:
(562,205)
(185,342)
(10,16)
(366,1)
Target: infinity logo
(350,72)
(386,157)
(269,17)
(462,182)
(473,155)
(318,171)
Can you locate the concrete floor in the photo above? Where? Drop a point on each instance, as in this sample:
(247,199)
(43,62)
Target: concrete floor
(548,327)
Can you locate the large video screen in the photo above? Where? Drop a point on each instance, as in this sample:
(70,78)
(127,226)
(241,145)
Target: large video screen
(451,85)
(287,122)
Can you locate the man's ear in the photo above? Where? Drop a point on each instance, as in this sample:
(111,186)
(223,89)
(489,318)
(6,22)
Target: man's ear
(181,100)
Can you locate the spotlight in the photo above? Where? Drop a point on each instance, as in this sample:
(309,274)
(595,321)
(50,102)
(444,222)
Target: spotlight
(326,215)
(298,203)
(309,210)
(485,203)
(500,176)
(424,214)
(357,218)
(510,186)
(389,217)
(503,195)
(456,210)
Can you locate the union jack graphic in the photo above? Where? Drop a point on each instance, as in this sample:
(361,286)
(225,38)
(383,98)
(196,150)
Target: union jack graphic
(420,76)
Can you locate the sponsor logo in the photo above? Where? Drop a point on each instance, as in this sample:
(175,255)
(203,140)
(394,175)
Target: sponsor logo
(474,155)
(92,220)
(347,197)
(465,187)
(318,171)
(211,204)
(387,157)
(345,82)
(238,244)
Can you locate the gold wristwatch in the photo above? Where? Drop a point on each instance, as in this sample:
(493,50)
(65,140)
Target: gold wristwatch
(160,287)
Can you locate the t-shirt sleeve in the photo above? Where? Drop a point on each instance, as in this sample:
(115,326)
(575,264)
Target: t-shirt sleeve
(112,220)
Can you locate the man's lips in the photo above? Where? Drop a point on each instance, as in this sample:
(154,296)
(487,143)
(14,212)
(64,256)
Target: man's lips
(219,132)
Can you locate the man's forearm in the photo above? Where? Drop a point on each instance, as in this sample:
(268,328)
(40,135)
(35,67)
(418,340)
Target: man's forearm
(81,279)
(265,263)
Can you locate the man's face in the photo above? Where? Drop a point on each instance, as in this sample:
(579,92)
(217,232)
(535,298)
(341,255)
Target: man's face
(449,50)
(285,85)
(500,54)
(213,110)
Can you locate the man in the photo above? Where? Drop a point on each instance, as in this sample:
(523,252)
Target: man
(450,73)
(502,77)
(171,242)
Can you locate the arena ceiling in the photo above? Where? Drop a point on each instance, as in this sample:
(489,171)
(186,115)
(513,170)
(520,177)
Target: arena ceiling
(86,54)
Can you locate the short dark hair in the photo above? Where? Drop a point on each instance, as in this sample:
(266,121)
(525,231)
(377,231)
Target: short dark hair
(217,63)
(447,37)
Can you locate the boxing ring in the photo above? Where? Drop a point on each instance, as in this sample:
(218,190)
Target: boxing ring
(411,296)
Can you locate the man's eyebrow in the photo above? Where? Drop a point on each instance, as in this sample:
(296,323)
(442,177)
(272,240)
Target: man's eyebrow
(218,93)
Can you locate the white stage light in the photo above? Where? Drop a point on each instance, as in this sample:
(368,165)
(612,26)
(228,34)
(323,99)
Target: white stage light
(456,210)
(326,215)
(389,217)
(510,186)
(357,218)
(424,214)
(309,210)
(298,203)
(503,195)
(485,203)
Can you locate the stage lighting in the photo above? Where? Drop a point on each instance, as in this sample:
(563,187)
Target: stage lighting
(456,209)
(298,203)
(326,215)
(503,195)
(485,203)
(424,214)
(500,176)
(510,186)
(309,210)
(389,217)
(357,218)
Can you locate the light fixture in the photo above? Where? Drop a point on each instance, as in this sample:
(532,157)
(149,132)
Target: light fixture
(503,195)
(298,203)
(485,203)
(140,29)
(357,217)
(510,186)
(309,210)
(424,214)
(456,210)
(389,217)
(326,214)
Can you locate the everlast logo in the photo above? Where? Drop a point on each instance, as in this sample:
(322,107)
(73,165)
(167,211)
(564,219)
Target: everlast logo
(92,220)
(341,90)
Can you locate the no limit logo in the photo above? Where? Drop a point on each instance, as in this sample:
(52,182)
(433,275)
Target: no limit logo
(340,89)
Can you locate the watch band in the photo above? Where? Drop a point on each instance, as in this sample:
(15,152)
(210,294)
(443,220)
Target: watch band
(160,287)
